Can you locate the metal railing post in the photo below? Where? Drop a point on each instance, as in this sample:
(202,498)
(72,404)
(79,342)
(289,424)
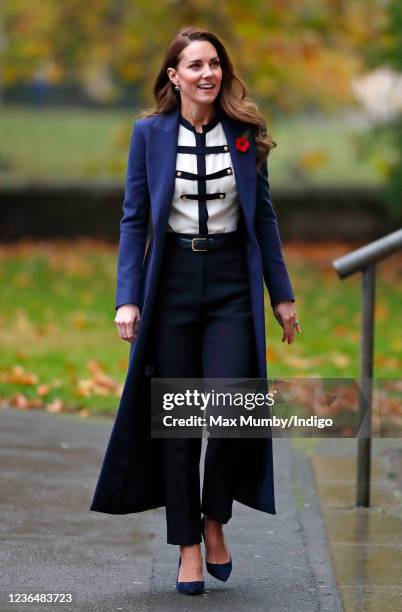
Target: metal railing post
(366,390)
(364,260)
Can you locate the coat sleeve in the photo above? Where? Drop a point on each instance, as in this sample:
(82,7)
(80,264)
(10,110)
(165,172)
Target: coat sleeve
(133,224)
(266,228)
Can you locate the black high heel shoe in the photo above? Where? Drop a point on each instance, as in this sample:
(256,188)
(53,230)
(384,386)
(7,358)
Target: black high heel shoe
(221,571)
(195,587)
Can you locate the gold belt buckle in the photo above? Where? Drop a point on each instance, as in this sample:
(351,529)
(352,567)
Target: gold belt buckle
(192,245)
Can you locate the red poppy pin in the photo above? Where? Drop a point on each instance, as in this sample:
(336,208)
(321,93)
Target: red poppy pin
(241,143)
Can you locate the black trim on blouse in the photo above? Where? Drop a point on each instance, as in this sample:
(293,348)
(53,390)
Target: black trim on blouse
(200,150)
(199,177)
(202,196)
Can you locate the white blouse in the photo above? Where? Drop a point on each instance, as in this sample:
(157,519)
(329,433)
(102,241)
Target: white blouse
(204,177)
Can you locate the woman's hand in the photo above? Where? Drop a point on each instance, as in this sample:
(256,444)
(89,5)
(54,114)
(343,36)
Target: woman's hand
(127,320)
(285,314)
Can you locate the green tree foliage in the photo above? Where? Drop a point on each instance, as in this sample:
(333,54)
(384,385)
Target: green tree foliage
(293,53)
(388,134)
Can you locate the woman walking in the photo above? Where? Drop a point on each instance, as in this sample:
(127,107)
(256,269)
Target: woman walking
(198,238)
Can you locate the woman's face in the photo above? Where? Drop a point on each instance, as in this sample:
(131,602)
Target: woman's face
(199,65)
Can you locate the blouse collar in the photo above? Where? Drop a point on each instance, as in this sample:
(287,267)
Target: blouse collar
(206,127)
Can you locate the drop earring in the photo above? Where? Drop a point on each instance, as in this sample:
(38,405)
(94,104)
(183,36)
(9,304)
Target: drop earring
(177,87)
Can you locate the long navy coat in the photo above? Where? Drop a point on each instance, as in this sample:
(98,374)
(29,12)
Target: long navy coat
(131,476)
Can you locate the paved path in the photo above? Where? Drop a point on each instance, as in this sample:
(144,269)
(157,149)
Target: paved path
(366,543)
(52,542)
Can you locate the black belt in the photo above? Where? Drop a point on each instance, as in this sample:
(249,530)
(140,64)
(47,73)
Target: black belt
(203,243)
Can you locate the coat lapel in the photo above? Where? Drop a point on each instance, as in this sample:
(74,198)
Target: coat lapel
(244,166)
(162,164)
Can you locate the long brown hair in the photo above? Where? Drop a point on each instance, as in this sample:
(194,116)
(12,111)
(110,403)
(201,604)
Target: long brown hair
(233,97)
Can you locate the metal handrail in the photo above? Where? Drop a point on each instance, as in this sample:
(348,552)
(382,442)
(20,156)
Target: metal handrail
(364,260)
(369,254)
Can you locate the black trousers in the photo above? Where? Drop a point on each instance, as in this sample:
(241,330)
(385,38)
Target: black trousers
(202,327)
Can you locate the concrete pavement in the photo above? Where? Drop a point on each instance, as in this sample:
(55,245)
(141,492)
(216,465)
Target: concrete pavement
(52,543)
(365,543)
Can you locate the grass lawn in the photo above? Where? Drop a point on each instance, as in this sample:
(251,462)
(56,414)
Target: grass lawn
(60,347)
(77,143)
